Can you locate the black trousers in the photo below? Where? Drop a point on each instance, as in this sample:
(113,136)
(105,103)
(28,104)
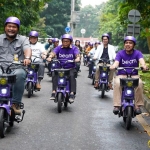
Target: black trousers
(91,65)
(72,80)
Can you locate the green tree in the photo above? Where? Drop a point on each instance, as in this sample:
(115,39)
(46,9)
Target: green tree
(89,20)
(144,8)
(57,15)
(26,10)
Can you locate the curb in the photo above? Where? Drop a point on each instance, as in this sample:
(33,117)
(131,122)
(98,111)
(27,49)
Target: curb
(147,103)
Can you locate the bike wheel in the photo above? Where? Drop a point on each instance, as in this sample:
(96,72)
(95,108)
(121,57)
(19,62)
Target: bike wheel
(12,118)
(30,89)
(128,117)
(59,102)
(93,79)
(103,91)
(66,101)
(2,123)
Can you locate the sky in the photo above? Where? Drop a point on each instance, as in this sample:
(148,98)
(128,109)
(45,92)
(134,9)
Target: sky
(92,2)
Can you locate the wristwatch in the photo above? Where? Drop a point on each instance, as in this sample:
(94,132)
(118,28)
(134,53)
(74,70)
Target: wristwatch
(27,58)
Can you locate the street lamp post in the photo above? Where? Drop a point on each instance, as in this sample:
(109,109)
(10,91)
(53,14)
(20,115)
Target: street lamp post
(72,9)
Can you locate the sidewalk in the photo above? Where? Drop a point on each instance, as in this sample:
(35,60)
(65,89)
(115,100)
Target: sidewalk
(147,104)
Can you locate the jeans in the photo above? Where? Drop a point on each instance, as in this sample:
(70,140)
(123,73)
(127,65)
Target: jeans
(41,70)
(18,87)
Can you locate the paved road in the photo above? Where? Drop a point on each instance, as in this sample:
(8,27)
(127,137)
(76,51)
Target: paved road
(87,124)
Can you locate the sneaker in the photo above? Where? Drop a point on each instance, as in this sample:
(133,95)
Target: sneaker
(96,85)
(89,76)
(16,109)
(52,96)
(116,110)
(71,98)
(110,86)
(138,111)
(38,86)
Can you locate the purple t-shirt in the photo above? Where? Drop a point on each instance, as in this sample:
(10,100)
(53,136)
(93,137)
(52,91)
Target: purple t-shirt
(64,54)
(128,60)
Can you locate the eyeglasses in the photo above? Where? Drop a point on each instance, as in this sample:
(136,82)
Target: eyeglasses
(64,41)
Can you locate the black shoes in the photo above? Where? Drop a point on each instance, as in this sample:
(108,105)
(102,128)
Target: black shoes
(116,110)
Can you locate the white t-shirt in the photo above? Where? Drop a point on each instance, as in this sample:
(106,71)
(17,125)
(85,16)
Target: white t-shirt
(37,50)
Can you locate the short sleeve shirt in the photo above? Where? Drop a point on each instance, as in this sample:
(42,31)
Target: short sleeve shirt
(64,54)
(37,50)
(17,46)
(128,60)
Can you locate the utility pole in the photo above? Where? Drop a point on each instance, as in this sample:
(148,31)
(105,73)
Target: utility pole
(72,10)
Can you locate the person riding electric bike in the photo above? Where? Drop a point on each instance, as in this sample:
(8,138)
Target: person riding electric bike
(55,44)
(14,45)
(104,51)
(91,55)
(77,44)
(38,54)
(128,57)
(66,52)
(49,45)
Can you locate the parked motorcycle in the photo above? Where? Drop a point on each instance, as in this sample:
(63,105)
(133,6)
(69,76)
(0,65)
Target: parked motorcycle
(7,114)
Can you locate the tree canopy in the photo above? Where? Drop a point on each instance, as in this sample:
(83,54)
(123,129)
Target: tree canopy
(57,15)
(26,10)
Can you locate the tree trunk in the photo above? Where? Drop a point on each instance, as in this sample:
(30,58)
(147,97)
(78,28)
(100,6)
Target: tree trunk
(148,42)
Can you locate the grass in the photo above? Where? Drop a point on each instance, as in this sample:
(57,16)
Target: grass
(145,76)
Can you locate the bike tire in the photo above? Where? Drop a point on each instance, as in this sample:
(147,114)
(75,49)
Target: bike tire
(12,118)
(103,91)
(128,117)
(2,125)
(59,102)
(30,89)
(93,79)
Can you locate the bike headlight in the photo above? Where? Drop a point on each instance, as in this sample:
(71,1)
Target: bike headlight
(103,74)
(129,92)
(129,83)
(61,80)
(94,67)
(3,81)
(53,65)
(30,72)
(4,91)
(85,56)
(61,74)
(90,59)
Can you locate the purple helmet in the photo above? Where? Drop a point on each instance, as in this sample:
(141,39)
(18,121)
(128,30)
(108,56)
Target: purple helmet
(130,38)
(55,40)
(105,35)
(90,44)
(14,20)
(67,36)
(34,33)
(97,42)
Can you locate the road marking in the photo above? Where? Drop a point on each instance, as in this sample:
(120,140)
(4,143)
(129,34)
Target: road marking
(143,123)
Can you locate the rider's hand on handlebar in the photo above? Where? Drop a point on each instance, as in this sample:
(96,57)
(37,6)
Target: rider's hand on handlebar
(26,62)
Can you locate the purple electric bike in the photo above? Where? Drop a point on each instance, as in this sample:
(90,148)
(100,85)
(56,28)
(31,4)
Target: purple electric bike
(127,109)
(7,114)
(32,77)
(63,88)
(103,78)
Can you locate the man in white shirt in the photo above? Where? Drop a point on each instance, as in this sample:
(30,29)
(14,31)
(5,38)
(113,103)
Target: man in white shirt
(38,54)
(104,51)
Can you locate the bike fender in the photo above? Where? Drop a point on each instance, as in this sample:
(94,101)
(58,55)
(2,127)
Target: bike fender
(6,107)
